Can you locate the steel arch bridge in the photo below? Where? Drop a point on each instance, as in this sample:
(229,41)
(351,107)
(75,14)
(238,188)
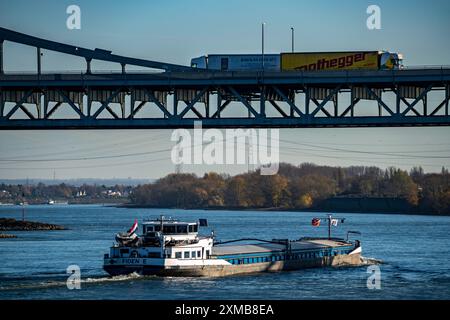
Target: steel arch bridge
(182,95)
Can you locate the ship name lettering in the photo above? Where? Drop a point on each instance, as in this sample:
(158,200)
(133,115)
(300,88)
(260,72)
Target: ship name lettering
(131,261)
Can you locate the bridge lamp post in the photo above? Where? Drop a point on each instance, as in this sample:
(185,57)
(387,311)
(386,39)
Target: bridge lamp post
(292,38)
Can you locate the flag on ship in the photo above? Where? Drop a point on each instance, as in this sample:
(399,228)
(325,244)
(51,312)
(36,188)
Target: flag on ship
(134,227)
(315,222)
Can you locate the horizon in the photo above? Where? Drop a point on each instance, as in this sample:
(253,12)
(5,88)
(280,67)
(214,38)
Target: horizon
(152,180)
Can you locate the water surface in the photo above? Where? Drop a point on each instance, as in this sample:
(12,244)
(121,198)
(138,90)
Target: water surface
(415,251)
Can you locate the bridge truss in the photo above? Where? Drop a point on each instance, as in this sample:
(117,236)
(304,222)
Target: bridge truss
(179,95)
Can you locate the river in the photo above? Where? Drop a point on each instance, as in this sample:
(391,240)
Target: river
(415,251)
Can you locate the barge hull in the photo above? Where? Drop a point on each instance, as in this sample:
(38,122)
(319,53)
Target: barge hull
(226,270)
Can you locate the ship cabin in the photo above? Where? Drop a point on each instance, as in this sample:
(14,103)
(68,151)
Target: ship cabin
(173,231)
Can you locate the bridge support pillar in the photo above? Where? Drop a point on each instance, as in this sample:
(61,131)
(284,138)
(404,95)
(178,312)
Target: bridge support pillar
(88,66)
(175,103)
(447,97)
(263,102)
(89,103)
(2,104)
(219,104)
(1,56)
(307,101)
(39,68)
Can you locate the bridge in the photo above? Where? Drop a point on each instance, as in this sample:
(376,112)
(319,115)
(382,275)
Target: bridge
(176,96)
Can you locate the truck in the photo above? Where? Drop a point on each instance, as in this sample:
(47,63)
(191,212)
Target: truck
(301,61)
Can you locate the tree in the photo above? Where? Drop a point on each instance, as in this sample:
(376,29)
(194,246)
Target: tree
(316,187)
(236,192)
(400,184)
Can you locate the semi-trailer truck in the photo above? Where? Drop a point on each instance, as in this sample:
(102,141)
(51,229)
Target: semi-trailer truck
(301,61)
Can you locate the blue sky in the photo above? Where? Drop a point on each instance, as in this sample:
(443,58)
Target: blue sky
(176,31)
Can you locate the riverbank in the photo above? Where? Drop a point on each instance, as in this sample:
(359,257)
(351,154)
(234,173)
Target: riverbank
(7,224)
(282,209)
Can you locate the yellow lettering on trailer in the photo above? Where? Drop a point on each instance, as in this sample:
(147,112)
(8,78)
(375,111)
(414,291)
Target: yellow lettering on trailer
(329,61)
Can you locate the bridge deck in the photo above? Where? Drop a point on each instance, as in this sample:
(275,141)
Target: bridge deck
(376,79)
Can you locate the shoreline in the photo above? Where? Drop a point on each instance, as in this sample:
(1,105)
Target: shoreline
(133,206)
(9,224)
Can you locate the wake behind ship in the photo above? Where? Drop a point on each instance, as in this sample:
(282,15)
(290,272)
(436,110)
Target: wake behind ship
(169,247)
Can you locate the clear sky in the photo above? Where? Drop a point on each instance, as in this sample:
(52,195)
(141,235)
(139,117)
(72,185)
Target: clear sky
(176,31)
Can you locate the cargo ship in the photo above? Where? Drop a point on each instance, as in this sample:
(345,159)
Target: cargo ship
(168,247)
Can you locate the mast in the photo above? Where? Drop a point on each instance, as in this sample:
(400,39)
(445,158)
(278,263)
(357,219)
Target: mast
(329,226)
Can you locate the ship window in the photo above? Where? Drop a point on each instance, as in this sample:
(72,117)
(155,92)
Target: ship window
(186,254)
(199,254)
(169,229)
(157,228)
(124,251)
(207,253)
(193,228)
(177,255)
(193,254)
(182,229)
(149,229)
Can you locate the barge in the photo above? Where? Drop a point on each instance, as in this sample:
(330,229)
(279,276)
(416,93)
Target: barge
(170,247)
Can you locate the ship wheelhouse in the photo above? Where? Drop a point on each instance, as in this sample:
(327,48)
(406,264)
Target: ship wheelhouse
(171,232)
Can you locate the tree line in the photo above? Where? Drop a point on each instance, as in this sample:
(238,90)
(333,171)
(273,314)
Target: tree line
(42,193)
(305,186)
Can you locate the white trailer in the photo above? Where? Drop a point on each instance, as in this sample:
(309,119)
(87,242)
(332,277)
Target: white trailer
(237,62)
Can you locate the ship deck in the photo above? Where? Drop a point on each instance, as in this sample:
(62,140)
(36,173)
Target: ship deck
(225,250)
